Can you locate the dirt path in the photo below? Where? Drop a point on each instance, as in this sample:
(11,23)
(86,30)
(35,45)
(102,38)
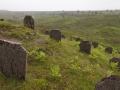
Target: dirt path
(9,39)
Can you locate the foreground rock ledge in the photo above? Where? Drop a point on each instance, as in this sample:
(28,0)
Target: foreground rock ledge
(110,82)
(13,59)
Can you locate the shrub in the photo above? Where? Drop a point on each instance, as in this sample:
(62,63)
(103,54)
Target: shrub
(35,55)
(87,70)
(114,66)
(74,68)
(76,58)
(55,71)
(40,56)
(109,72)
(95,54)
(115,52)
(93,57)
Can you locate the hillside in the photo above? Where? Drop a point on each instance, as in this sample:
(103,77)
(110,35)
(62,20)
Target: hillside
(60,65)
(104,29)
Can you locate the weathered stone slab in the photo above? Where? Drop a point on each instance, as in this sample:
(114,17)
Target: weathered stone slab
(55,34)
(109,50)
(29,22)
(85,47)
(13,59)
(110,82)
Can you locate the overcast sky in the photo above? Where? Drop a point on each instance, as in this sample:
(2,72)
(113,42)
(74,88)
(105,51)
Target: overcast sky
(58,5)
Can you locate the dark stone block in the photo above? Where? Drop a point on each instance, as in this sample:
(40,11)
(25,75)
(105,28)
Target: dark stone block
(13,59)
(110,82)
(85,47)
(109,50)
(95,44)
(29,22)
(55,34)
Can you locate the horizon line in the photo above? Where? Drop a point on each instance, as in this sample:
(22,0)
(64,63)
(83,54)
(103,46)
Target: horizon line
(56,10)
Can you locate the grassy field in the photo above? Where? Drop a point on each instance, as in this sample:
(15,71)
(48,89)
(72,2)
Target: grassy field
(60,65)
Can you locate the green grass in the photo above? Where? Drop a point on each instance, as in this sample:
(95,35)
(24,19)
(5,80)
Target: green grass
(61,65)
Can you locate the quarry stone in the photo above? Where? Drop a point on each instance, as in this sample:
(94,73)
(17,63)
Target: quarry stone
(109,50)
(55,34)
(95,44)
(115,60)
(110,82)
(85,47)
(13,59)
(29,22)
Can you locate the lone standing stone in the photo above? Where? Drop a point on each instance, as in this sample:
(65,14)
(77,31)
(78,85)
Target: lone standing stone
(108,50)
(29,22)
(55,34)
(13,58)
(110,82)
(85,47)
